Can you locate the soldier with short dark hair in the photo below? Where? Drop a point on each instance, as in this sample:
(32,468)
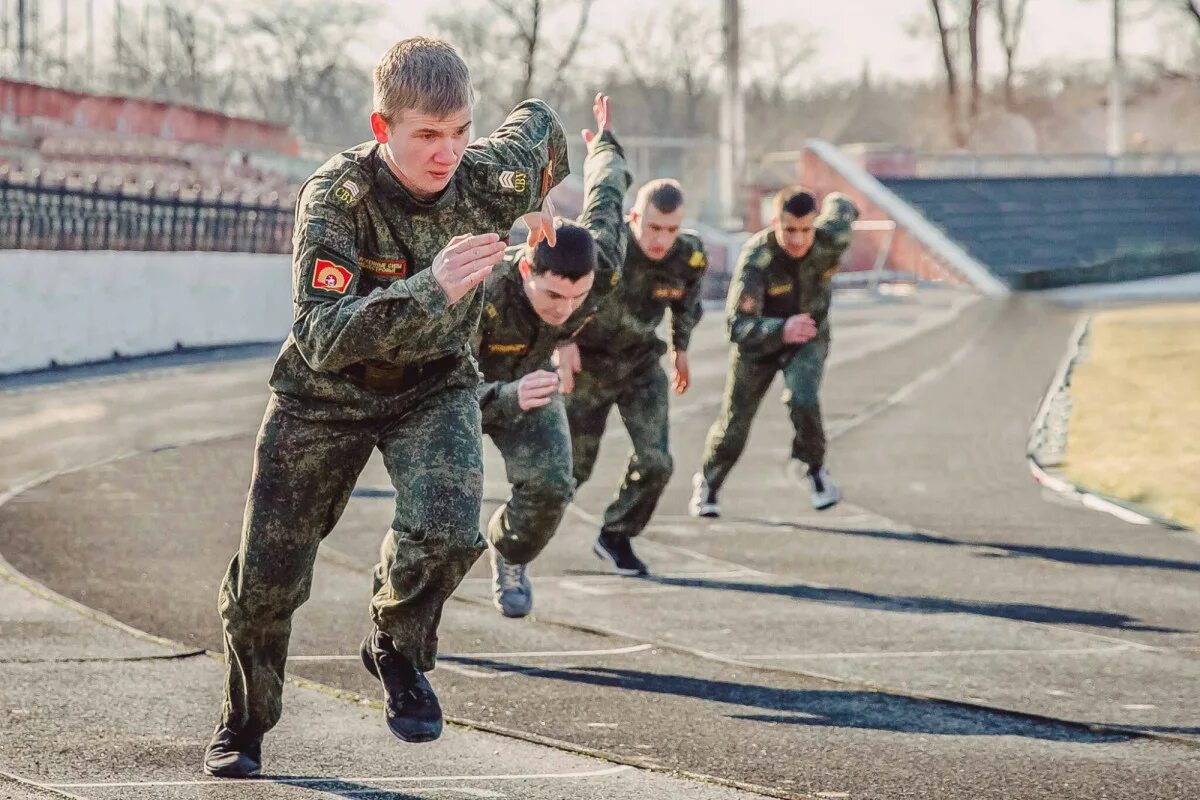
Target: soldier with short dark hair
(391,240)
(778,316)
(537,298)
(617,361)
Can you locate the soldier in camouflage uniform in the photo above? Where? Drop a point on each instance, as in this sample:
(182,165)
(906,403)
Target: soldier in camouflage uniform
(778,316)
(378,358)
(618,363)
(537,298)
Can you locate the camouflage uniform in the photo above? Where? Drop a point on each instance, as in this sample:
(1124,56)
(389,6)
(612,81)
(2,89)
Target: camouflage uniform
(769,286)
(376,358)
(620,353)
(514,341)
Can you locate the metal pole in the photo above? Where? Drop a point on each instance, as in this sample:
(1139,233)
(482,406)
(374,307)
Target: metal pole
(732,136)
(1116,136)
(91,45)
(22,63)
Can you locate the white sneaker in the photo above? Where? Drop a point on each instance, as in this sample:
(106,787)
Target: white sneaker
(512,591)
(824,492)
(704,500)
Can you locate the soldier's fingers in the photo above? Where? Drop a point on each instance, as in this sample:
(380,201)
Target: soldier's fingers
(537,402)
(461,244)
(476,257)
(548,228)
(472,279)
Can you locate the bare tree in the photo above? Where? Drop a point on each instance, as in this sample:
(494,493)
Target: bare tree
(1011,24)
(504,76)
(300,73)
(945,32)
(973,8)
(671,61)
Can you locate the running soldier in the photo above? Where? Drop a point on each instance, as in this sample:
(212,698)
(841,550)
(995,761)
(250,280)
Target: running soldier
(778,317)
(535,299)
(617,361)
(391,240)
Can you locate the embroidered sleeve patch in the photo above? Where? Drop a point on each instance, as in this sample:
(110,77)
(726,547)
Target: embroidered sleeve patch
(330,277)
(698,260)
(828,274)
(384,267)
(506,348)
(667,293)
(775,290)
(747,305)
(514,181)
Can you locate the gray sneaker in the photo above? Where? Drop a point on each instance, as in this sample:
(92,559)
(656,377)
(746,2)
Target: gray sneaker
(512,591)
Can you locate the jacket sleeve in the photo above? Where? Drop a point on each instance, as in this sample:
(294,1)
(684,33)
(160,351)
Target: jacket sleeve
(333,328)
(521,161)
(605,181)
(687,310)
(748,328)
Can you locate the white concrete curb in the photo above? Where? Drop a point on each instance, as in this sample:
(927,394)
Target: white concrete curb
(1121,509)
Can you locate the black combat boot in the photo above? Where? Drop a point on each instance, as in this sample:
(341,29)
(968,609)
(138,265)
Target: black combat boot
(233,755)
(412,709)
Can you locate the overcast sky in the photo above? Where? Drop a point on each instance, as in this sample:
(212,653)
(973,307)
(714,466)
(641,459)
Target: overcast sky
(850,33)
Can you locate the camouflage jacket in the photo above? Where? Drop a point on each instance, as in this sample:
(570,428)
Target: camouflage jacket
(623,332)
(768,285)
(513,340)
(368,312)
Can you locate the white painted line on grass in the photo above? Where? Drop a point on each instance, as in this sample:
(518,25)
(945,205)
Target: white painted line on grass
(543,776)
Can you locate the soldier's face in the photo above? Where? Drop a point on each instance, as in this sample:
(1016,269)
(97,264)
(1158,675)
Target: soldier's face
(795,234)
(423,150)
(655,230)
(553,297)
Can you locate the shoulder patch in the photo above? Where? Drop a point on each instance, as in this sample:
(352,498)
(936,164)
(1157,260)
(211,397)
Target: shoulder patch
(828,274)
(346,189)
(514,181)
(490,310)
(698,260)
(762,257)
(330,276)
(747,305)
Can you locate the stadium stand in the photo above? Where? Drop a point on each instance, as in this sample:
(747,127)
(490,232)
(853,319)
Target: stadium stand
(1039,232)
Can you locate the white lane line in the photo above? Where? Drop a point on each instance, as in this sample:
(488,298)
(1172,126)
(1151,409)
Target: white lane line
(935,653)
(611,651)
(543,776)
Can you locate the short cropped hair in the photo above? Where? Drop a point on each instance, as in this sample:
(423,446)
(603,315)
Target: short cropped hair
(572,257)
(422,74)
(665,194)
(795,200)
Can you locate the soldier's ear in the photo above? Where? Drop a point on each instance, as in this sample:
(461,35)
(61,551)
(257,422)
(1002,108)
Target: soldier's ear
(525,268)
(379,127)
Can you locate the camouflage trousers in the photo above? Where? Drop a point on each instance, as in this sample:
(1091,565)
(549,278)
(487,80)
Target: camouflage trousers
(746,383)
(641,398)
(536,446)
(304,472)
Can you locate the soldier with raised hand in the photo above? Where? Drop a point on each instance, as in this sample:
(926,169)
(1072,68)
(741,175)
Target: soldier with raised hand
(615,360)
(778,316)
(392,239)
(536,298)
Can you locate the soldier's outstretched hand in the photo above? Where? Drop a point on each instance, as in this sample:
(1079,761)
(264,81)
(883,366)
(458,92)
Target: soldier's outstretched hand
(603,120)
(566,358)
(465,263)
(682,377)
(535,389)
(541,224)
(799,328)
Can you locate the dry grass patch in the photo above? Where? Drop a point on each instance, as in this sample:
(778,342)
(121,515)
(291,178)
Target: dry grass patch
(1135,425)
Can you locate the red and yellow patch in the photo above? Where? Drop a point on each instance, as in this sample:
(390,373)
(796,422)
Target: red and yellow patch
(385,267)
(828,274)
(331,277)
(747,305)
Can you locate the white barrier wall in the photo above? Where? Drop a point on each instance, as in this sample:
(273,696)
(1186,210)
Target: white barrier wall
(75,307)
